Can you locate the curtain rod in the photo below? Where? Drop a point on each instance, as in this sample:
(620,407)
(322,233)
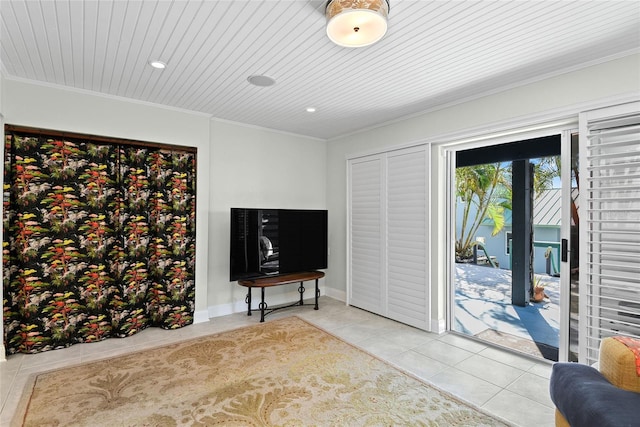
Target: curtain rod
(96,138)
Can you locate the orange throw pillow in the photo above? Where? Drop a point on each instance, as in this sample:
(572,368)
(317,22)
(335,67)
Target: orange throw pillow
(633,345)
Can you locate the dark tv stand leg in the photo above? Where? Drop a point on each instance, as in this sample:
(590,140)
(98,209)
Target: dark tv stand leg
(317,295)
(248,301)
(262,305)
(301,292)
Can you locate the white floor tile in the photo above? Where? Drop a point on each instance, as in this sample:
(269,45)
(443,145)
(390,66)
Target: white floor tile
(382,347)
(408,337)
(489,370)
(418,364)
(517,361)
(447,353)
(463,342)
(465,386)
(534,387)
(542,369)
(354,333)
(520,411)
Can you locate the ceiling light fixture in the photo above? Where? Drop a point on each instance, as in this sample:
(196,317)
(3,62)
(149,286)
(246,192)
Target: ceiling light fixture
(311,109)
(356,23)
(158,64)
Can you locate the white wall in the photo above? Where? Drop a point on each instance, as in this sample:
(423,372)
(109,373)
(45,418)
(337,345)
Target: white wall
(257,168)
(563,95)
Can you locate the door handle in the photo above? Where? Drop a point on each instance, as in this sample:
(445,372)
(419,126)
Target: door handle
(565,250)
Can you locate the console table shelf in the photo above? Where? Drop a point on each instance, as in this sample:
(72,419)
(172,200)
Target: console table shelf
(266,282)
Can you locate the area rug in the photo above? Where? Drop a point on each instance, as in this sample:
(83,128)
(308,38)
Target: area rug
(286,372)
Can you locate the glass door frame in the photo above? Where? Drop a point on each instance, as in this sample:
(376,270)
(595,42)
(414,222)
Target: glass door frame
(565,235)
(565,129)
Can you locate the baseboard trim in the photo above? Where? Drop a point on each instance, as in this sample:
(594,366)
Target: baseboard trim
(336,294)
(226,309)
(200,316)
(438,326)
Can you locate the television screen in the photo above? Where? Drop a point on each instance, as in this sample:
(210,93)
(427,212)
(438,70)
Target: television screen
(276,241)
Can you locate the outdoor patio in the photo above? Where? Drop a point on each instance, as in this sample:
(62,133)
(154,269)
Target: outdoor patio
(483,309)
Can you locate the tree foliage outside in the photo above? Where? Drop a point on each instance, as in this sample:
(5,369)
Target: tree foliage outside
(487,188)
(485,192)
(545,171)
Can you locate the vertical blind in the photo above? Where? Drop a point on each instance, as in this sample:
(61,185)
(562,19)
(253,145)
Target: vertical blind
(610,227)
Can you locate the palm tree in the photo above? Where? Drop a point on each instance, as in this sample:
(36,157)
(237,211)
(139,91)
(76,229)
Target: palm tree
(488,189)
(545,170)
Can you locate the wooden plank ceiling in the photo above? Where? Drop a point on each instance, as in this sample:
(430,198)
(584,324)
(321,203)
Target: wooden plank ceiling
(435,53)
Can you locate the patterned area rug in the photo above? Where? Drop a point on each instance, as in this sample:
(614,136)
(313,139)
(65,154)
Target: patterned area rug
(286,372)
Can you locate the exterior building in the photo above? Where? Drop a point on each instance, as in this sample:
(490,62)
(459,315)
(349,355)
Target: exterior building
(546,233)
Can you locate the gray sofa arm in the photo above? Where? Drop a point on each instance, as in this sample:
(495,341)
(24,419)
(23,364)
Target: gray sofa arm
(585,398)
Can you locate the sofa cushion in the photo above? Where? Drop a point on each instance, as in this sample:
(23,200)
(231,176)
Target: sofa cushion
(585,398)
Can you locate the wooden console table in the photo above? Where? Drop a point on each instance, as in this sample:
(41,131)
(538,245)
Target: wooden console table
(265,282)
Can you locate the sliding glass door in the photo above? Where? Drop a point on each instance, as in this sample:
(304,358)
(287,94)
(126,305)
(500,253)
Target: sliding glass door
(512,201)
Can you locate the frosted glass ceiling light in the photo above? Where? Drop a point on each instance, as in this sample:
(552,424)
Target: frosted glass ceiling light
(356,23)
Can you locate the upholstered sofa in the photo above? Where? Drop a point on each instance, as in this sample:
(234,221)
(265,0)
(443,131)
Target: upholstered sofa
(608,396)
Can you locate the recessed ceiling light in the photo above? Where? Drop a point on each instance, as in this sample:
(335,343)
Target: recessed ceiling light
(260,80)
(311,109)
(158,64)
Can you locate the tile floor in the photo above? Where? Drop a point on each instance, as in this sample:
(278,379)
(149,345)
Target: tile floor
(510,386)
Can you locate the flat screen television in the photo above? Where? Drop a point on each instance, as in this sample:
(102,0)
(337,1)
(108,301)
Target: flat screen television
(266,242)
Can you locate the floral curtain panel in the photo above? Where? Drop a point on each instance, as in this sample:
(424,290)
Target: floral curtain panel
(99,240)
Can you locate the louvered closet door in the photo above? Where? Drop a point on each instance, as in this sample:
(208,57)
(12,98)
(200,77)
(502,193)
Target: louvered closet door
(388,230)
(407,248)
(609,226)
(366,229)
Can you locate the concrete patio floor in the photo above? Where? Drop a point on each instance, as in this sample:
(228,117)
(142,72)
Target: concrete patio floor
(483,309)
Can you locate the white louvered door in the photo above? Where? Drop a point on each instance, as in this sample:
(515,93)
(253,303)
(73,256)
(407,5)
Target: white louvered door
(366,267)
(407,246)
(389,220)
(609,226)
